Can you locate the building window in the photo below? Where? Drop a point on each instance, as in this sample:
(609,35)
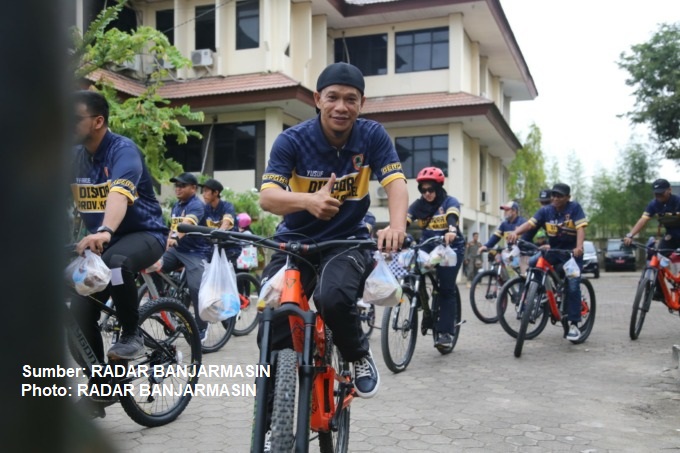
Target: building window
(422,50)
(165,23)
(205,27)
(236,145)
(368,53)
(248,24)
(416,153)
(188,154)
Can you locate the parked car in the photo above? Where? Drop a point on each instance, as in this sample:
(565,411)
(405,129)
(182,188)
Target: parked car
(591,264)
(618,256)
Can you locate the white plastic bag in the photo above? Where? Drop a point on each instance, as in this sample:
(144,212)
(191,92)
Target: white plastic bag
(270,294)
(449,259)
(571,268)
(436,256)
(88,274)
(381,287)
(248,258)
(218,295)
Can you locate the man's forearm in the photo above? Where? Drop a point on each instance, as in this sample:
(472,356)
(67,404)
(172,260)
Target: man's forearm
(116,207)
(397,204)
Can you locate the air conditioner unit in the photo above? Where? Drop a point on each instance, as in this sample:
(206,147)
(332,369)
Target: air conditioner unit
(380,193)
(135,64)
(202,57)
(166,64)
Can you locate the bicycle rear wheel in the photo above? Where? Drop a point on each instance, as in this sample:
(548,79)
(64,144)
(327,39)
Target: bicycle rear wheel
(531,302)
(641,304)
(172,345)
(218,334)
(510,310)
(337,440)
(283,414)
(588,310)
(483,295)
(399,332)
(249,289)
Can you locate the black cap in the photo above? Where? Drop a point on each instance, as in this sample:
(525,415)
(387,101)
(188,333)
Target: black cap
(561,188)
(341,74)
(660,185)
(544,195)
(213,184)
(185,178)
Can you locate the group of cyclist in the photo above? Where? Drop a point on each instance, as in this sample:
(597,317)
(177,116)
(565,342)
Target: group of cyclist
(317,179)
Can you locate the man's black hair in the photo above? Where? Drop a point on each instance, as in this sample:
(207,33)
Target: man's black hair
(95,102)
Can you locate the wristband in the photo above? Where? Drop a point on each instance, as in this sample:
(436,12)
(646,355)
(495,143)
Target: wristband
(103,228)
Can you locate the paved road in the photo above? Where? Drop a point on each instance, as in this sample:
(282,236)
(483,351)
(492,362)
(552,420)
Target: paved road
(609,394)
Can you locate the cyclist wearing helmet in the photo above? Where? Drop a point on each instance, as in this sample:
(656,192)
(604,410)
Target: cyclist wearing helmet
(437,214)
(318,177)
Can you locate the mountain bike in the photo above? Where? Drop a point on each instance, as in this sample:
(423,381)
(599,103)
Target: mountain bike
(542,297)
(399,329)
(653,280)
(486,286)
(313,372)
(151,391)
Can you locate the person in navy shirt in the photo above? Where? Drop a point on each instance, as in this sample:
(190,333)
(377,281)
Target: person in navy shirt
(565,224)
(438,214)
(220,213)
(318,178)
(184,250)
(666,208)
(512,221)
(113,193)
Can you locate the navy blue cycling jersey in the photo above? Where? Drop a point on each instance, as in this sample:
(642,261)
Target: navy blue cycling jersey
(116,166)
(560,226)
(302,160)
(506,227)
(438,224)
(223,212)
(192,210)
(667,213)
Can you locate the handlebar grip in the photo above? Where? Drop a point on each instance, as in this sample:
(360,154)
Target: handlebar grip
(187,228)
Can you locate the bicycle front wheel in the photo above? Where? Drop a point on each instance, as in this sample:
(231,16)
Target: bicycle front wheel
(483,295)
(283,414)
(530,302)
(510,309)
(367,317)
(249,289)
(172,344)
(588,310)
(641,304)
(218,334)
(399,332)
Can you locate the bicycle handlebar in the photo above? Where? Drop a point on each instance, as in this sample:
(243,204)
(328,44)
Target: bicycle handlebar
(654,249)
(532,246)
(294,247)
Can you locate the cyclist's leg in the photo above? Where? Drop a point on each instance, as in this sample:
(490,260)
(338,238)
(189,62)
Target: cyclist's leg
(335,297)
(574,296)
(447,297)
(193,266)
(131,254)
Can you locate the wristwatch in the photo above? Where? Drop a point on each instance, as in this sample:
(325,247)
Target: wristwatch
(452,229)
(629,236)
(103,228)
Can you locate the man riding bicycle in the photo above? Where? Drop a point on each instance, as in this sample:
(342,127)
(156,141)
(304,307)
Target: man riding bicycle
(565,223)
(113,193)
(318,178)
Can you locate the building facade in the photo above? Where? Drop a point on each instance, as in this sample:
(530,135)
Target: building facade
(440,76)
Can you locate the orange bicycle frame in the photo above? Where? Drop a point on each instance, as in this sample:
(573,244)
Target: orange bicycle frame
(671,296)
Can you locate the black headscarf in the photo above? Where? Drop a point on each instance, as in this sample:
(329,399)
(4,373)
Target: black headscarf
(424,210)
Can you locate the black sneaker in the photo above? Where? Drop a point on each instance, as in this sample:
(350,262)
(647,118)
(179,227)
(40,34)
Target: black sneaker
(366,377)
(128,347)
(444,341)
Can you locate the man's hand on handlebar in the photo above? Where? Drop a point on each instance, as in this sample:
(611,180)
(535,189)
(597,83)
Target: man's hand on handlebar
(390,240)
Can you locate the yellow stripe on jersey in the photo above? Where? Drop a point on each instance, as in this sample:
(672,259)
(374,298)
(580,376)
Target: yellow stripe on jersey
(212,223)
(349,187)
(90,198)
(391,178)
(177,220)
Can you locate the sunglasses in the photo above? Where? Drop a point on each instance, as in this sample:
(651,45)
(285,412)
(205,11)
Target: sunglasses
(427,190)
(180,185)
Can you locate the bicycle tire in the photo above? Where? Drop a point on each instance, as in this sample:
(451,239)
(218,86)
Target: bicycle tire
(641,304)
(283,413)
(588,310)
(483,295)
(249,287)
(456,321)
(399,332)
(367,317)
(337,440)
(509,316)
(171,340)
(529,308)
(218,334)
